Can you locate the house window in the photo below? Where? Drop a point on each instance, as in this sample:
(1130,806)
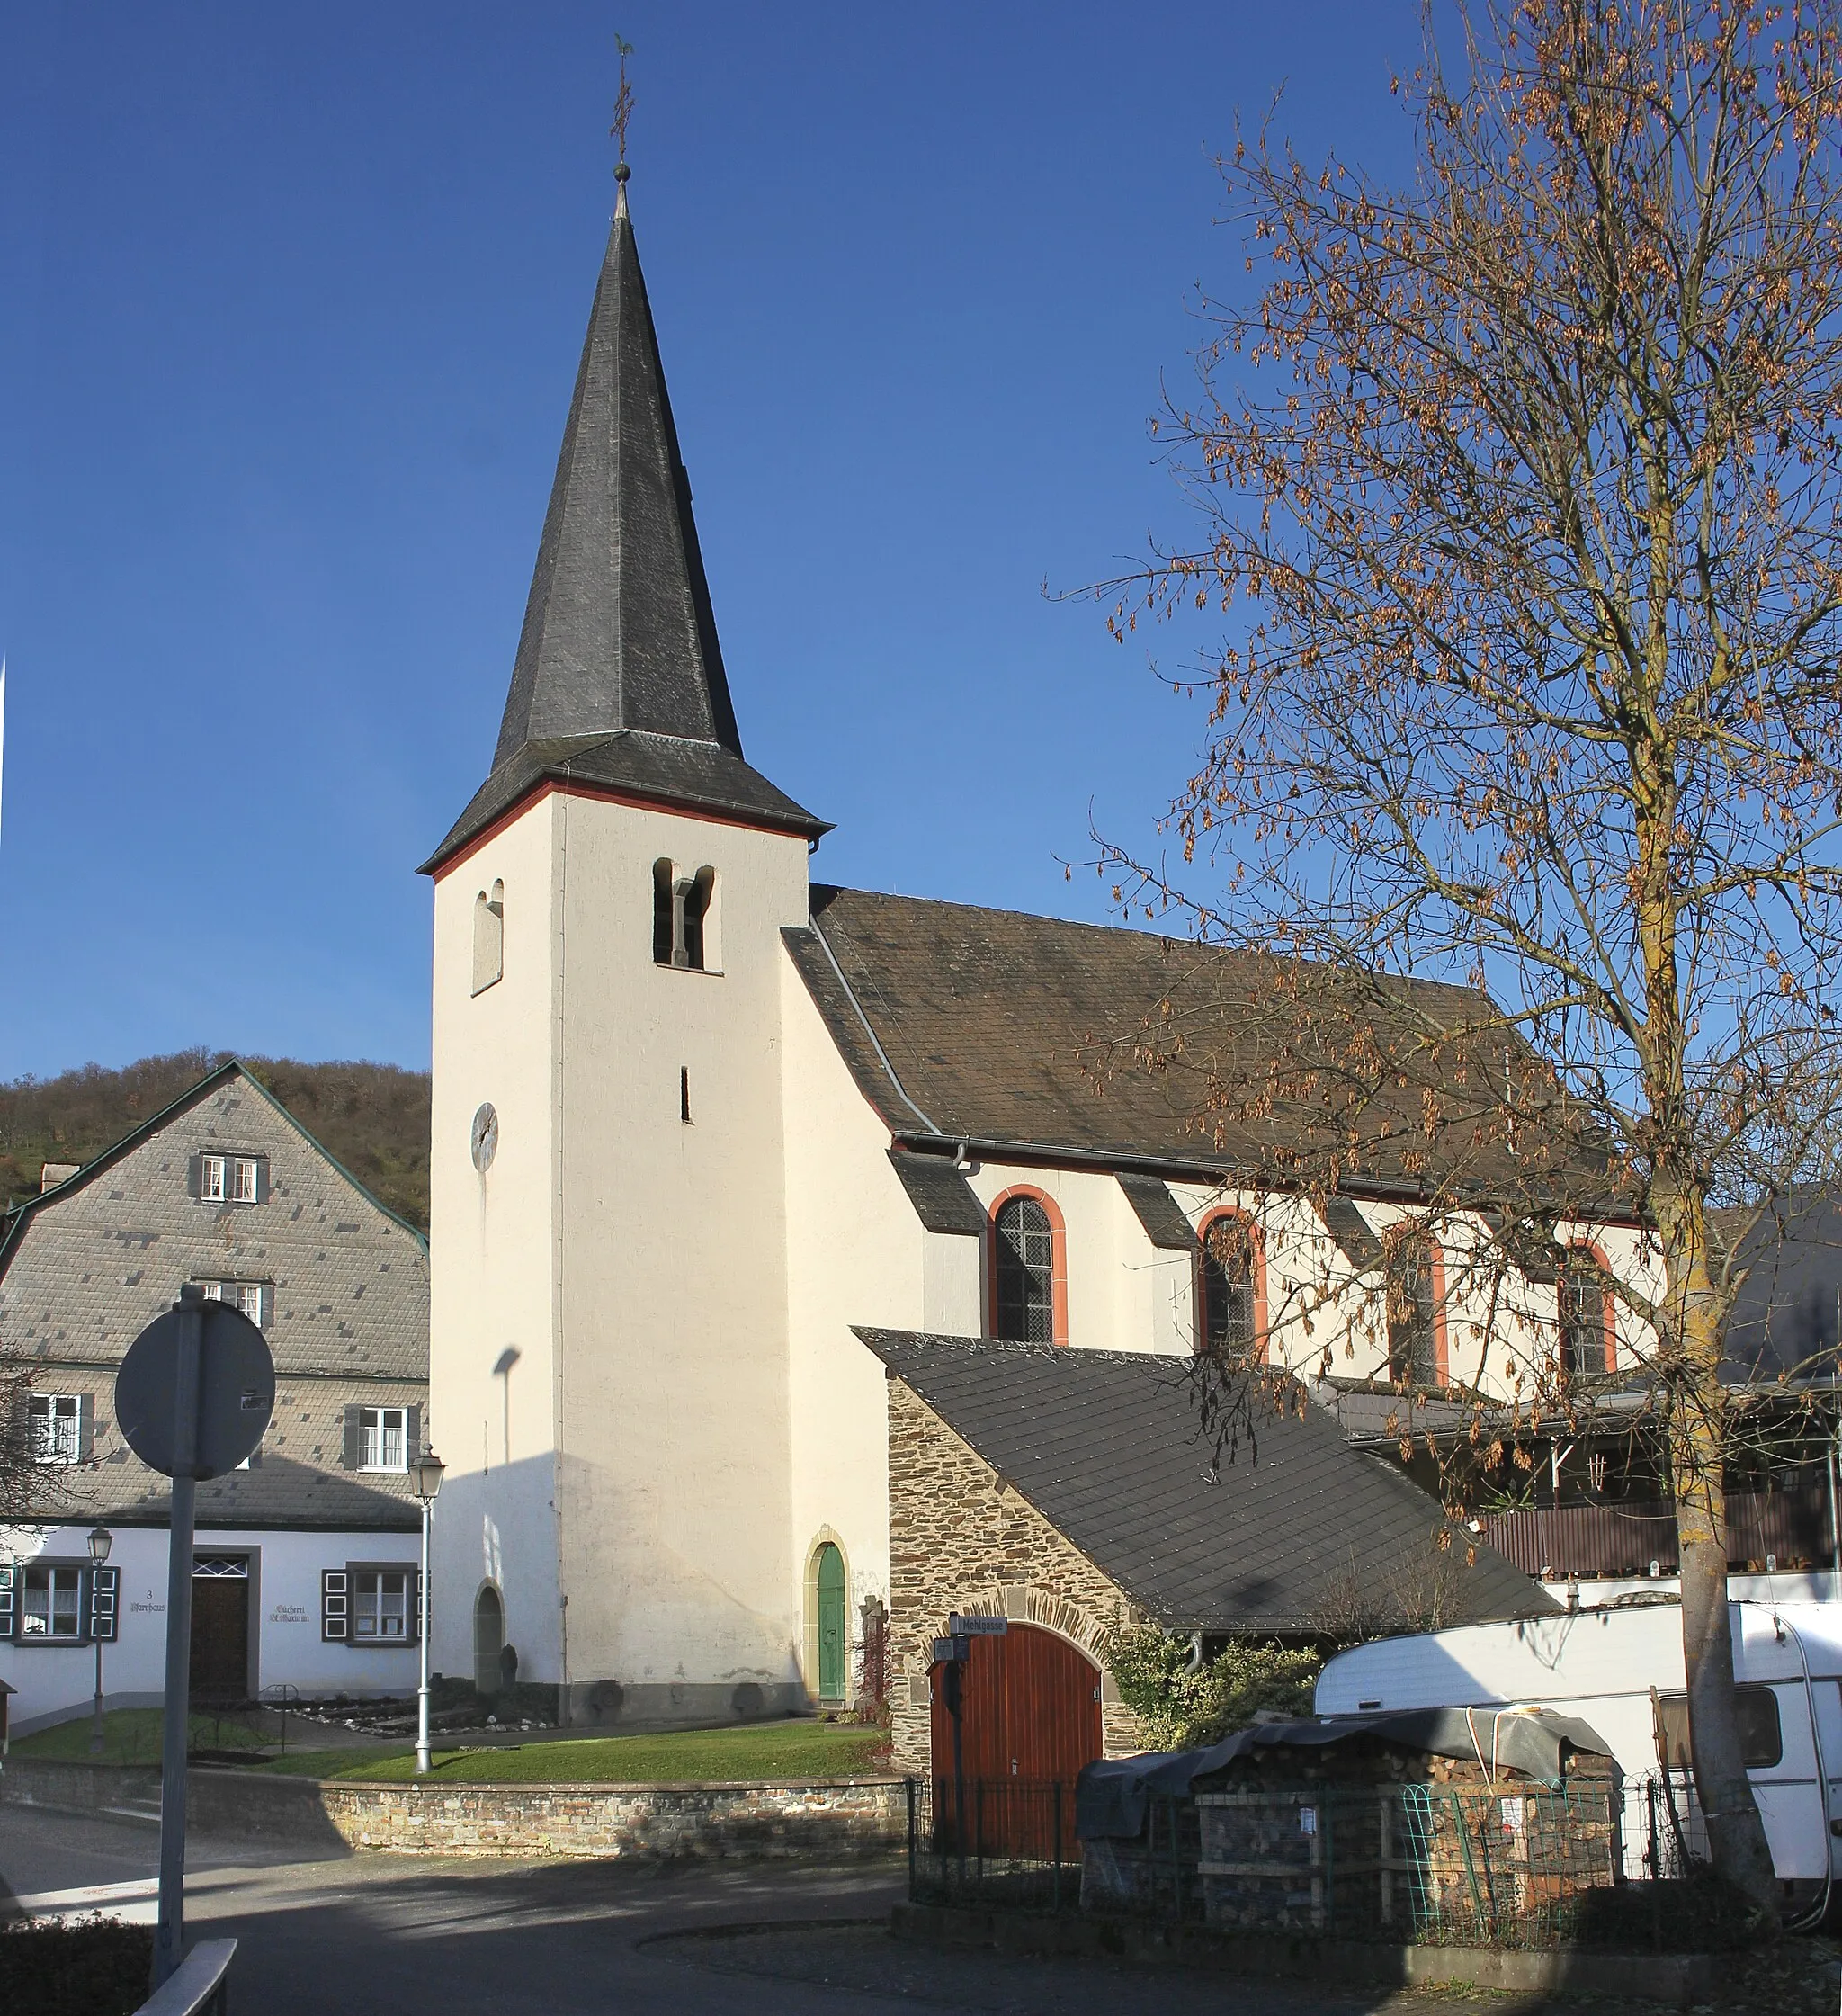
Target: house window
(51,1609)
(384,1437)
(1229,1275)
(382,1603)
(254,1299)
(1413,1315)
(230,1178)
(680,916)
(488,937)
(55,1425)
(1024,1272)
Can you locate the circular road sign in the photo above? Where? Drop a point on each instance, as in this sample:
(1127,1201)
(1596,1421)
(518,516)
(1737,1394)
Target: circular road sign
(236,1389)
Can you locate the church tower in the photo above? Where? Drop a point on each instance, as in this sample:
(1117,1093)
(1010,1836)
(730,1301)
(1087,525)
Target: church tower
(609,1375)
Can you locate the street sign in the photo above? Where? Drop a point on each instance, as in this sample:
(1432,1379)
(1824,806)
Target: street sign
(192,1399)
(236,1391)
(948,1651)
(977,1626)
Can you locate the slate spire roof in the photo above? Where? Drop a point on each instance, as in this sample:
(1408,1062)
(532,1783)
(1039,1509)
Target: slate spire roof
(619,678)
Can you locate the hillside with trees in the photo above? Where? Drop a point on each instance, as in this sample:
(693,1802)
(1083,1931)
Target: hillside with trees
(373,1118)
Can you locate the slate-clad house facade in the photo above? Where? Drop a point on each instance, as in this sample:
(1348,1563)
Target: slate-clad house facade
(305,1563)
(700,1123)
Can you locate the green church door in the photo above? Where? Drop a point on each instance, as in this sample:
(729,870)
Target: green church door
(831,1624)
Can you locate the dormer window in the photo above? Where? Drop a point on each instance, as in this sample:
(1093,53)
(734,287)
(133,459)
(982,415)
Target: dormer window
(683,917)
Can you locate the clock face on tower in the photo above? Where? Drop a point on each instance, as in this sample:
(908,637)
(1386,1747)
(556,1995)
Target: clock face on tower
(486,1137)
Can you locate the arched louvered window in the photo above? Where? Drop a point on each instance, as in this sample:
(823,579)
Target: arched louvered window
(1228,1277)
(682,917)
(1024,1272)
(488,937)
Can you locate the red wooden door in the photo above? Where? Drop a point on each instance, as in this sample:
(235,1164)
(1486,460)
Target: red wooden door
(1031,1720)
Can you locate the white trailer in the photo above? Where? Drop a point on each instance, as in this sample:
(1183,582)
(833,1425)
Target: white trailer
(1601,1665)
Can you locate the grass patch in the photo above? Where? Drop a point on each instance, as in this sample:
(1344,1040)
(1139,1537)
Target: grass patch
(83,1967)
(795,1751)
(132,1736)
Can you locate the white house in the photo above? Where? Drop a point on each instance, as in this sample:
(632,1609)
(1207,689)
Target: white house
(306,1561)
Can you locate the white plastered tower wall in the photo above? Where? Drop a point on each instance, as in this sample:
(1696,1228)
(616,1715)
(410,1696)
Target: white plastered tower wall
(672,1394)
(495,1250)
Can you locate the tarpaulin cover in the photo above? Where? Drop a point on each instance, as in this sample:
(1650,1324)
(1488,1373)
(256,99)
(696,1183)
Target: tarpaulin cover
(1112,1794)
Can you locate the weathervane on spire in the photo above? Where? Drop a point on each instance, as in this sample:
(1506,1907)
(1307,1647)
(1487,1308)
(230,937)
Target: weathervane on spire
(623,110)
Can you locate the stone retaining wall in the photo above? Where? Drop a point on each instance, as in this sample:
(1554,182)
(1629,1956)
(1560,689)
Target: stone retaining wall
(832,1819)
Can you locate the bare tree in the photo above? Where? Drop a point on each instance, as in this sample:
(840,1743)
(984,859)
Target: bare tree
(1522,494)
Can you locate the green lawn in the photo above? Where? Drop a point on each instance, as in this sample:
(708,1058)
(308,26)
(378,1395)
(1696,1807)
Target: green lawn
(790,1749)
(132,1736)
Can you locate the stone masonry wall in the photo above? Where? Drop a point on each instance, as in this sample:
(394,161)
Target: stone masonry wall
(962,1539)
(837,1820)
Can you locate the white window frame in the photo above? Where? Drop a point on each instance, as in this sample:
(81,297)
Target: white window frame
(368,1600)
(55,1424)
(250,1301)
(213,1178)
(56,1578)
(245,1178)
(376,1426)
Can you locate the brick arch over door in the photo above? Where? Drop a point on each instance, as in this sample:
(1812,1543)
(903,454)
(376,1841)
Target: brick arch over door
(1032,1710)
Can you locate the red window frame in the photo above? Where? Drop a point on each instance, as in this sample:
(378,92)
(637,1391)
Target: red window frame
(1058,1259)
(1608,1308)
(1263,1341)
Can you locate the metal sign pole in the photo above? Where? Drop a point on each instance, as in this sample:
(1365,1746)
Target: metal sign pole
(169,1937)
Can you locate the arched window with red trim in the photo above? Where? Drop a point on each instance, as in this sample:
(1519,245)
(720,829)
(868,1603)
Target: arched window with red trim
(1588,1336)
(1416,1315)
(1231,1289)
(1029,1277)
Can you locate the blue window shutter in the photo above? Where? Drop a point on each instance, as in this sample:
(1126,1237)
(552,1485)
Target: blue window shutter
(104,1587)
(261,1180)
(9,1599)
(335,1619)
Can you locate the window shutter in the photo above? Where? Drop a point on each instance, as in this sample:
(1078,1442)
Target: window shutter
(104,1583)
(350,1452)
(9,1599)
(412,1434)
(85,1426)
(196,1177)
(335,1620)
(416,1608)
(261,1180)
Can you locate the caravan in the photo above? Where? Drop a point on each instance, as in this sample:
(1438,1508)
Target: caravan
(1621,1669)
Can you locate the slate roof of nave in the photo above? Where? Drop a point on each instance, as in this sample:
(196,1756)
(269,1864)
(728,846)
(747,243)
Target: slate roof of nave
(1104,1445)
(992,1026)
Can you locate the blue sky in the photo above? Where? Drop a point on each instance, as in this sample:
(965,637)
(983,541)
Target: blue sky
(293,298)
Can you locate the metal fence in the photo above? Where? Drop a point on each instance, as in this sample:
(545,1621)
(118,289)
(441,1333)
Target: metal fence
(1508,1865)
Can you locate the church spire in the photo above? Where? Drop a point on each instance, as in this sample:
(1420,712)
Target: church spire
(618,681)
(619,632)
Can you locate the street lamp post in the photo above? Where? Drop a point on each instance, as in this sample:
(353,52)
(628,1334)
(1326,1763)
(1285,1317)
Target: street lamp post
(100,1540)
(426,1476)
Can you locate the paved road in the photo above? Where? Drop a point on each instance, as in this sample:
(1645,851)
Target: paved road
(373,1935)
